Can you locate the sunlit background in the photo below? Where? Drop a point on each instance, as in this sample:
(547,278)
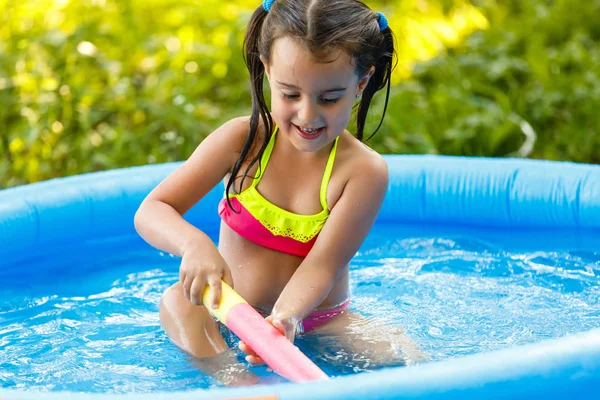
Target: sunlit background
(90,85)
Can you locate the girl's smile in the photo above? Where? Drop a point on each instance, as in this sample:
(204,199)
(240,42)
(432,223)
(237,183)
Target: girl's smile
(309,133)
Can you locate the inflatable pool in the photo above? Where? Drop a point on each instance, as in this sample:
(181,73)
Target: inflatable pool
(527,202)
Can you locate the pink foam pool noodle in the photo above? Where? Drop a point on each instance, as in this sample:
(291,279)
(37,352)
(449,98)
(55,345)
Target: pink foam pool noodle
(275,349)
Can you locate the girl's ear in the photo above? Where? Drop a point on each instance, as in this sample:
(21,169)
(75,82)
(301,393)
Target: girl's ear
(362,84)
(267,68)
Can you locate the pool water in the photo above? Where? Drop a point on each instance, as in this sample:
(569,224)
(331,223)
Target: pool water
(87,320)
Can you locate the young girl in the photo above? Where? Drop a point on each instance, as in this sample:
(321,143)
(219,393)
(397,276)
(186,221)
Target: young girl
(301,193)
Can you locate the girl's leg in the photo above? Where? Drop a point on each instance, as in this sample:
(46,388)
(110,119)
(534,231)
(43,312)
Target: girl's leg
(370,340)
(194,330)
(190,327)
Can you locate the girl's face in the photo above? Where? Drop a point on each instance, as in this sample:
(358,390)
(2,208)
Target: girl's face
(311,102)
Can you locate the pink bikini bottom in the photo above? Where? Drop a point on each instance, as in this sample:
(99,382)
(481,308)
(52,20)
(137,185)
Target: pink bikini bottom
(318,318)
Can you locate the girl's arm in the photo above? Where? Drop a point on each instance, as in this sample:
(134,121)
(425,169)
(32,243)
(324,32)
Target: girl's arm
(348,224)
(159,219)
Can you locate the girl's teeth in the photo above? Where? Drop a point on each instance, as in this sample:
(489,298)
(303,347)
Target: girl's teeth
(310,130)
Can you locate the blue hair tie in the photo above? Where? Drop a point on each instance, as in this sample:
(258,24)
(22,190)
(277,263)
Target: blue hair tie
(383,22)
(267,4)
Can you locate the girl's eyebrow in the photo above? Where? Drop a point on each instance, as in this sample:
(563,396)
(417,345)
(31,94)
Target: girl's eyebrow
(290,86)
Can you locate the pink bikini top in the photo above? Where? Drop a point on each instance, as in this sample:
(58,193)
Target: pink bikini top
(268,225)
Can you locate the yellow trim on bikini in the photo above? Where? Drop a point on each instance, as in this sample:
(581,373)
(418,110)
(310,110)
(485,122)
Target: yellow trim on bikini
(281,222)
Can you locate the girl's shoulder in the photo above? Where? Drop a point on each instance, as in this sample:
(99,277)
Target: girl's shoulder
(209,163)
(235,133)
(357,159)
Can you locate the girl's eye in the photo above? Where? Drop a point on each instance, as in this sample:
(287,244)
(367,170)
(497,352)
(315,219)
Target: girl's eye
(296,96)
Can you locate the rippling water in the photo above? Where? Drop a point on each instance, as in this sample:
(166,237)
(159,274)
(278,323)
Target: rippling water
(90,324)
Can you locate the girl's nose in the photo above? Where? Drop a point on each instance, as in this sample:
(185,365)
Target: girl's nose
(308,113)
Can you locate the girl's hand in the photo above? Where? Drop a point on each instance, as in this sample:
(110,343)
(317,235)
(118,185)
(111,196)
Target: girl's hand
(197,270)
(283,325)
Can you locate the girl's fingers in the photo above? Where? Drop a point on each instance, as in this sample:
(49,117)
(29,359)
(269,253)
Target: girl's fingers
(286,328)
(251,356)
(186,284)
(247,350)
(215,285)
(277,324)
(290,332)
(227,277)
(196,291)
(254,360)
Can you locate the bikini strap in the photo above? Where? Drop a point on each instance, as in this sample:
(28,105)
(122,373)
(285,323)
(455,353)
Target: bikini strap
(264,160)
(327,175)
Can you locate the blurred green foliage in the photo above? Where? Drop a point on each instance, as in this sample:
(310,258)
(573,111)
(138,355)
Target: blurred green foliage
(91,85)
(527,86)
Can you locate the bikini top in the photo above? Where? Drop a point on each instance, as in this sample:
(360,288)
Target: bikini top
(268,225)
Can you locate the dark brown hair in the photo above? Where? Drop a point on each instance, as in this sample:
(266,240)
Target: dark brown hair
(319,26)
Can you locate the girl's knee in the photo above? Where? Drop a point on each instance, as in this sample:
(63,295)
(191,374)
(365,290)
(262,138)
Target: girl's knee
(191,327)
(175,303)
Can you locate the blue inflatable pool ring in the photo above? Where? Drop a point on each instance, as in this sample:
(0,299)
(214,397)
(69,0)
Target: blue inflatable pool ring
(476,192)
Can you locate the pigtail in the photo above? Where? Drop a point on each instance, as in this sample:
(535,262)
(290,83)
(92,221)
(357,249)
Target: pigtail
(384,65)
(259,106)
